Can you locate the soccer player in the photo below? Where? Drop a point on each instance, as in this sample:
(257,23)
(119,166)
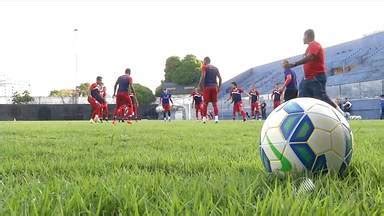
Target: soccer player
(104,112)
(165,100)
(254,100)
(276,96)
(314,82)
(235,95)
(208,83)
(123,100)
(95,99)
(197,100)
(263,107)
(290,84)
(135,105)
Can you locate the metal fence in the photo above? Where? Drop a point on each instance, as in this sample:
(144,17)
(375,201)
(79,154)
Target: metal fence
(361,90)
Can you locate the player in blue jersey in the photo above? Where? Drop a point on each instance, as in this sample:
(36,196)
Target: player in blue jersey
(165,101)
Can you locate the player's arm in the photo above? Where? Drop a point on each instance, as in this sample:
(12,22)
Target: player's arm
(288,80)
(220,80)
(313,50)
(134,93)
(202,77)
(115,88)
(304,60)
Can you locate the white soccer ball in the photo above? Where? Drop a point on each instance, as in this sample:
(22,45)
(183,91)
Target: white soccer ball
(159,109)
(306,134)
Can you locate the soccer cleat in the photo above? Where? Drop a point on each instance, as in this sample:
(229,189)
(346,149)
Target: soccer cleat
(91,121)
(244,120)
(204,119)
(96,119)
(216,119)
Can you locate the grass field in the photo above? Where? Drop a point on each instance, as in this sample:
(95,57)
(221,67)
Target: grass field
(181,168)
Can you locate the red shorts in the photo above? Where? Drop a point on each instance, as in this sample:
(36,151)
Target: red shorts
(255,106)
(123,98)
(199,106)
(276,104)
(210,94)
(94,103)
(166,107)
(238,107)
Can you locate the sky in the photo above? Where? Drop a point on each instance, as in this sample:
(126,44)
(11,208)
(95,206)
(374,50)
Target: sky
(38,42)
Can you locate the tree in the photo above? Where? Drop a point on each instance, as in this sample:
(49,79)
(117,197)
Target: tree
(80,91)
(184,72)
(62,93)
(83,89)
(171,65)
(22,98)
(189,71)
(143,94)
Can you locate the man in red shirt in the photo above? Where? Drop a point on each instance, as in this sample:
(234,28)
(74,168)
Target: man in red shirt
(254,99)
(95,99)
(208,82)
(314,82)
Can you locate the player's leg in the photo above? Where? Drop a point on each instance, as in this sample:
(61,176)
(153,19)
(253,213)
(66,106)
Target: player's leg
(257,110)
(214,93)
(253,110)
(106,111)
(234,111)
(242,111)
(207,99)
(320,92)
(305,89)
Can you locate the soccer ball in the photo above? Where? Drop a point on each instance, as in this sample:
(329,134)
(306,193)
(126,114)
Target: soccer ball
(159,109)
(306,134)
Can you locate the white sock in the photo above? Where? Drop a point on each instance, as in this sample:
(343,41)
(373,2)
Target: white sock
(216,118)
(204,119)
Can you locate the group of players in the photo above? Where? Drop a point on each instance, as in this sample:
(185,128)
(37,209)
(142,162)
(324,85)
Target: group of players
(126,101)
(313,85)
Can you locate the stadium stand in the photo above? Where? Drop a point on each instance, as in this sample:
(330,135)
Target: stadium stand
(355,70)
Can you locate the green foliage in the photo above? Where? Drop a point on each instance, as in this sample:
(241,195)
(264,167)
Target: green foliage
(80,91)
(181,168)
(144,94)
(22,98)
(182,72)
(83,89)
(62,93)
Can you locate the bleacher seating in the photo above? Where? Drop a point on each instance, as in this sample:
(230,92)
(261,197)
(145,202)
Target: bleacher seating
(351,62)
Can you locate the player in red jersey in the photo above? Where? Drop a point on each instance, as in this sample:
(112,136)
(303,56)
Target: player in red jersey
(197,100)
(235,95)
(254,100)
(208,83)
(123,108)
(95,99)
(135,106)
(104,112)
(276,96)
